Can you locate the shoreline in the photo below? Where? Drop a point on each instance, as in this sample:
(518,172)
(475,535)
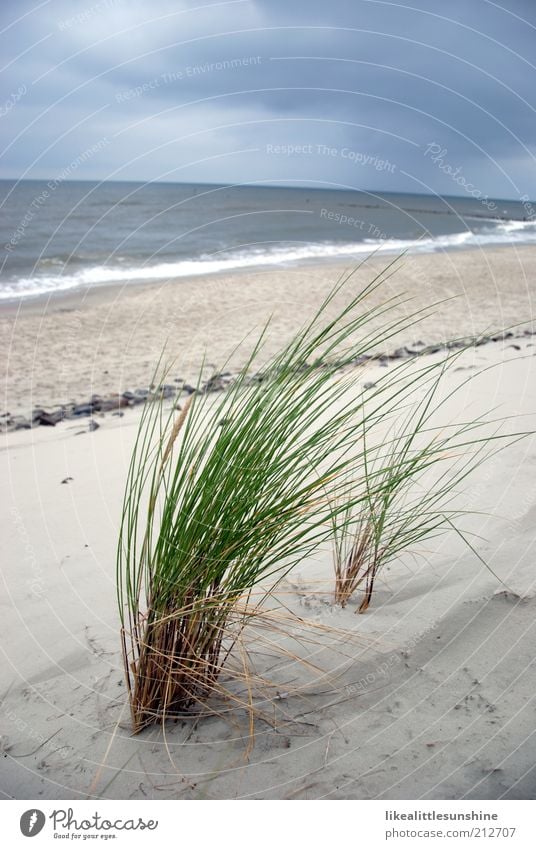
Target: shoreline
(57,300)
(106,340)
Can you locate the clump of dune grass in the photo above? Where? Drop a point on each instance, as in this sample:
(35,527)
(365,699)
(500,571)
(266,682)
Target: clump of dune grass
(410,480)
(225,497)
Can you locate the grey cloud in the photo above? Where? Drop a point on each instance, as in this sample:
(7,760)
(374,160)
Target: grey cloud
(379,78)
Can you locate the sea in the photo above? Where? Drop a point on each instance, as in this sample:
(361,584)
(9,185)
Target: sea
(59,236)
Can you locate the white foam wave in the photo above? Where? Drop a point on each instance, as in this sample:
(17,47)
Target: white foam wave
(502,233)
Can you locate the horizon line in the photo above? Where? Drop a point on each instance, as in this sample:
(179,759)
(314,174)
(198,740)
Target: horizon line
(265,185)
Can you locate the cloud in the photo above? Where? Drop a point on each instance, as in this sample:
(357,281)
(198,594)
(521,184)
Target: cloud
(207,91)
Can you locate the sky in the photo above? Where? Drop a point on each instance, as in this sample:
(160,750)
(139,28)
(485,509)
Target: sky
(422,96)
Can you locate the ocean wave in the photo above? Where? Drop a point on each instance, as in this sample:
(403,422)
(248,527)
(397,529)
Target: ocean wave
(502,233)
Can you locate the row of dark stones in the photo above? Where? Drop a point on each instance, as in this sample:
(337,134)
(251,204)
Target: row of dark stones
(114,403)
(218,382)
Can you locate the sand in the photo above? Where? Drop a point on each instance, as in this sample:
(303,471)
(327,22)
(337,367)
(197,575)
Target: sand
(430,694)
(108,340)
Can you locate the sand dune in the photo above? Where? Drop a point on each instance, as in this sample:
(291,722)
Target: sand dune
(427,695)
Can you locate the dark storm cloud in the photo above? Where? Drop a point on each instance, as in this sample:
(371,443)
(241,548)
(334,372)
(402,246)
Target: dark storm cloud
(365,94)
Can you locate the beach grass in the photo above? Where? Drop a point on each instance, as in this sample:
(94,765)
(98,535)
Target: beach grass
(225,496)
(411,480)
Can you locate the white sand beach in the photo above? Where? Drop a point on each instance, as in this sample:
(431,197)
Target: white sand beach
(109,339)
(429,694)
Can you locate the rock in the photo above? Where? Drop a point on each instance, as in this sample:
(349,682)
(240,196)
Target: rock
(166,390)
(66,480)
(129,398)
(214,384)
(113,402)
(81,410)
(515,347)
(369,385)
(189,389)
(93,425)
(49,419)
(19,423)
